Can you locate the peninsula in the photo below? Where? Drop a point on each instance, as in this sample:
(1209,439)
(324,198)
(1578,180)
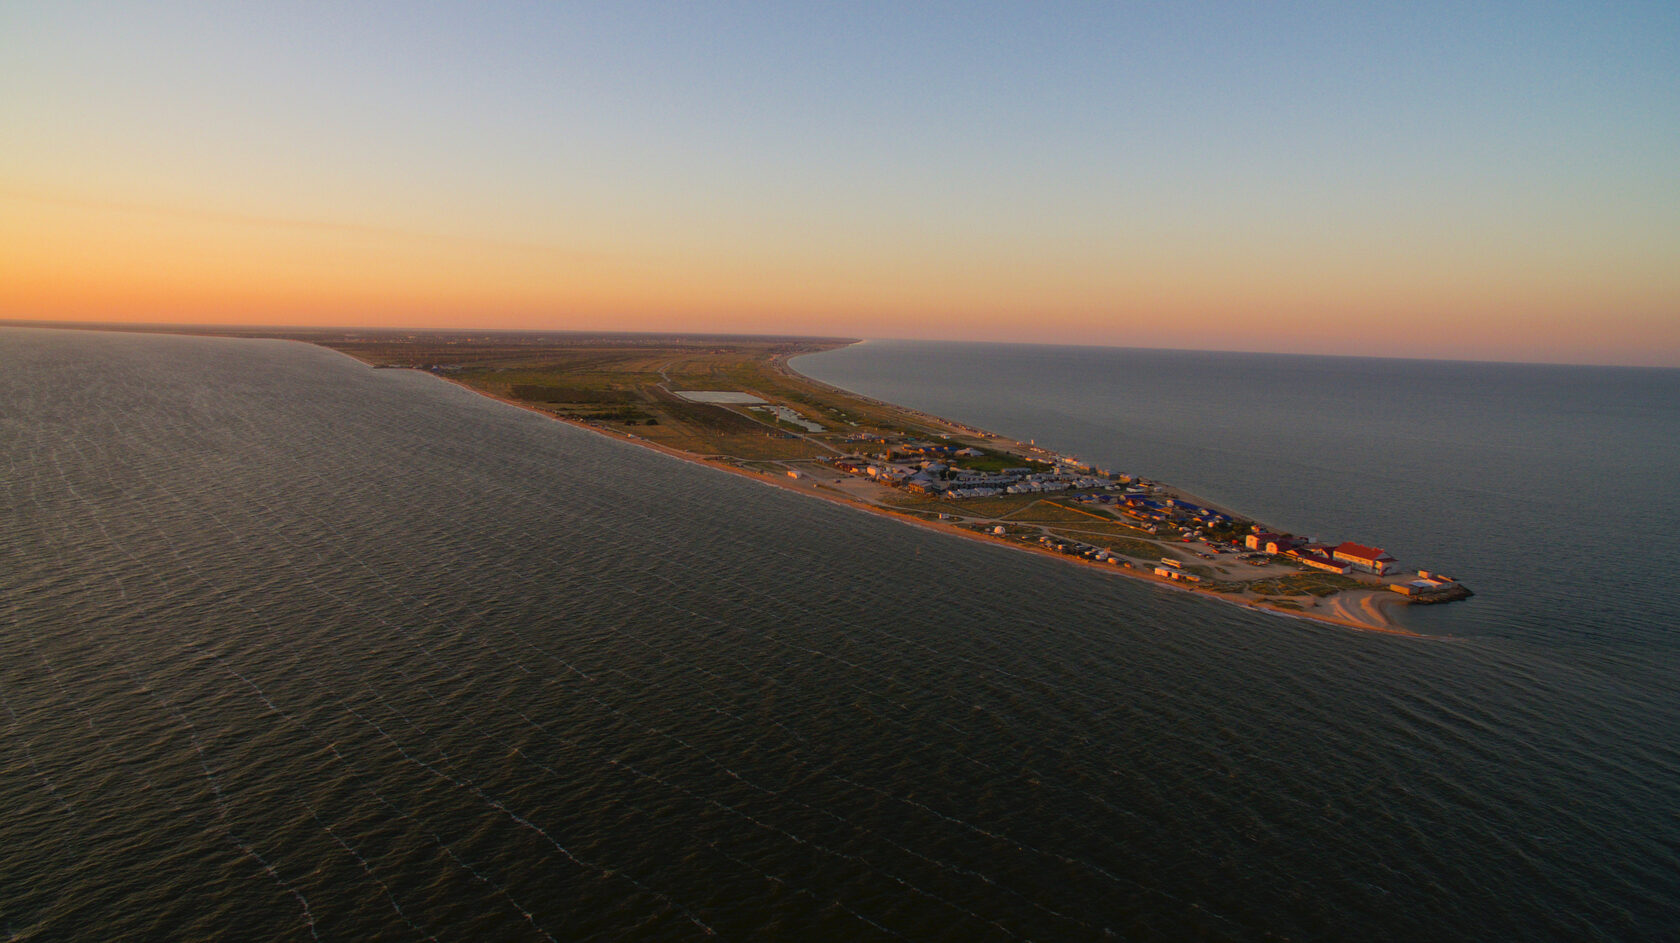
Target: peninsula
(734,403)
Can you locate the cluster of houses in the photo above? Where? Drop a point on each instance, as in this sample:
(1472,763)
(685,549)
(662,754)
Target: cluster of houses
(1342,558)
(934,475)
(1074,548)
(935,469)
(1169,569)
(1346,557)
(1152,513)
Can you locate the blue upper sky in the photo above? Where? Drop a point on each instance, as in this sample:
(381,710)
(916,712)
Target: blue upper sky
(1337,177)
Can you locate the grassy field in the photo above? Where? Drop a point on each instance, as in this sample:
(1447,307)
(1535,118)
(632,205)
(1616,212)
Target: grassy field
(1027,515)
(998,507)
(1082,513)
(1311,583)
(627,383)
(1136,549)
(1040,511)
(993,461)
(1116,529)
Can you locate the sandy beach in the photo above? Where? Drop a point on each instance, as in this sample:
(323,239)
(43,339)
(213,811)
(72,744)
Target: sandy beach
(1360,609)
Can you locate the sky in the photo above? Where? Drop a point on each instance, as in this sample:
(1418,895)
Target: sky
(1495,181)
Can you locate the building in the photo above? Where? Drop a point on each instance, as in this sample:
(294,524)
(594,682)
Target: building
(1425,586)
(1196,512)
(1272,543)
(1370,559)
(923,484)
(1319,561)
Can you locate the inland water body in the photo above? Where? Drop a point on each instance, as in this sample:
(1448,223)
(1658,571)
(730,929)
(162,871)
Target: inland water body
(291,649)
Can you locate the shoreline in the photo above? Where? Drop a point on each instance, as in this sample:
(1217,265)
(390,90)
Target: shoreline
(1364,612)
(1365,609)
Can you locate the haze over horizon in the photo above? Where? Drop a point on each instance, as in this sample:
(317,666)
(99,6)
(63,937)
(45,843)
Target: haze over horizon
(1413,180)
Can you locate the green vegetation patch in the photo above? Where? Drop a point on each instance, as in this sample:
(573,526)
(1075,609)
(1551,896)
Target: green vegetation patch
(969,507)
(570,394)
(709,417)
(628,416)
(1049,512)
(1136,549)
(994,461)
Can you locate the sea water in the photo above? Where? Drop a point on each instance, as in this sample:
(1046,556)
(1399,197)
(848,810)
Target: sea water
(291,648)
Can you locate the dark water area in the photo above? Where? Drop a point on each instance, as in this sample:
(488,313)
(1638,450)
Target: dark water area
(295,649)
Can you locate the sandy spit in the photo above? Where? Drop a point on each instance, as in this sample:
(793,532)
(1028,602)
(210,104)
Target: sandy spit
(1363,611)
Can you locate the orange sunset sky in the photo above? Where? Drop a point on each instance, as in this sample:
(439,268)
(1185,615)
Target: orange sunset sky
(1404,180)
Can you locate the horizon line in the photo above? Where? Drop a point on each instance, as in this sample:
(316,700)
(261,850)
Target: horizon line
(199,328)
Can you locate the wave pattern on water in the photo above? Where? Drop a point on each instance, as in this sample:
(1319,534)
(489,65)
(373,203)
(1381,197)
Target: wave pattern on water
(290,649)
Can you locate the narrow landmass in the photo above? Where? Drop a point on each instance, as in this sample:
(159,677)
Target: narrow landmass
(733,402)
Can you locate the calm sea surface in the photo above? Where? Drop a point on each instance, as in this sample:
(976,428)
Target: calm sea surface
(292,649)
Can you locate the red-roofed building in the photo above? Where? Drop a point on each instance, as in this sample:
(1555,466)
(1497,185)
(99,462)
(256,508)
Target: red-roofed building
(1370,559)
